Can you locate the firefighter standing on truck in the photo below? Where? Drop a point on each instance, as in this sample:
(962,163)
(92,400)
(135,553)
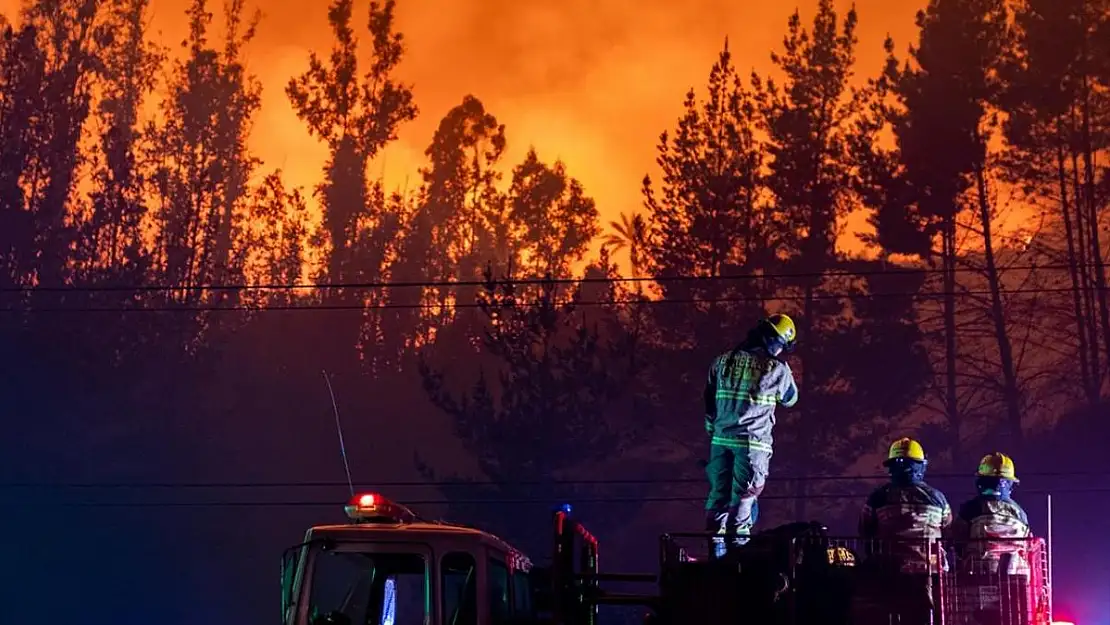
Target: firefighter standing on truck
(744,387)
(990,527)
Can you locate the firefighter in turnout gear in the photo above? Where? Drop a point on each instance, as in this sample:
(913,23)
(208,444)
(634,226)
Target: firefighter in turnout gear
(744,387)
(990,527)
(906,512)
(904,520)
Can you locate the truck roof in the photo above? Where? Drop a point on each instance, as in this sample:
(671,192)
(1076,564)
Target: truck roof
(417,531)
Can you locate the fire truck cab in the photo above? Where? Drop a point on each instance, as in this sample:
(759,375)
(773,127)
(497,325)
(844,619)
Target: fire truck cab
(388,567)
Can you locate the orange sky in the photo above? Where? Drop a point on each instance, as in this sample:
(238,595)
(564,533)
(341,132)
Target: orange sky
(593,83)
(592,86)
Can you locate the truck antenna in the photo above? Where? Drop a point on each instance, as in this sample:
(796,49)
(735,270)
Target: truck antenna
(339,429)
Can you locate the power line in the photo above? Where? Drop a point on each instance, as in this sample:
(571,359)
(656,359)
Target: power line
(457,484)
(526,305)
(523,281)
(470,502)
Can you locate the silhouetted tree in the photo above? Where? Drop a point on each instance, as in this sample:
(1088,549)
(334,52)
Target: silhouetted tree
(22,89)
(356,115)
(377,237)
(203,165)
(48,66)
(890,316)
(1091,75)
(705,215)
(540,402)
(551,219)
(462,221)
(707,221)
(456,226)
(111,246)
(1049,80)
(630,233)
(277,237)
(887,329)
(882,184)
(943,136)
(70,37)
(356,109)
(935,183)
(807,119)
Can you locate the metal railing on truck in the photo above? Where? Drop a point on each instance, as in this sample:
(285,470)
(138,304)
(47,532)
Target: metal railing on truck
(799,575)
(807,577)
(997,582)
(935,582)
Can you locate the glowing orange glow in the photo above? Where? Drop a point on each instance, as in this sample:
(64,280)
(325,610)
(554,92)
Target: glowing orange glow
(595,96)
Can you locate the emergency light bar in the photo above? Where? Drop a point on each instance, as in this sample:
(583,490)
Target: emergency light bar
(372,507)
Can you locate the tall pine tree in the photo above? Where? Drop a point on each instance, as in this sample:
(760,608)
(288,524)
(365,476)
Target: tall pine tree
(808,120)
(943,133)
(706,218)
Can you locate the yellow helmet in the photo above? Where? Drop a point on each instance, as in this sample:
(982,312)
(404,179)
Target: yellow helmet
(783,327)
(905,448)
(997,465)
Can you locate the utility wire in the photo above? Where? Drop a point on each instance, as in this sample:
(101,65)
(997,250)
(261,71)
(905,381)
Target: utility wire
(551,501)
(524,281)
(527,305)
(457,484)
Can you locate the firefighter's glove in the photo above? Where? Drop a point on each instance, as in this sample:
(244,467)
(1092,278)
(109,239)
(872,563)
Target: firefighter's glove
(708,426)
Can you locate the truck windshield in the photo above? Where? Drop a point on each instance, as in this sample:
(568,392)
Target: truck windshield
(357,588)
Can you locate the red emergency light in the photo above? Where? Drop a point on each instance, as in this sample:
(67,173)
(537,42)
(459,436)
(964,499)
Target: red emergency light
(372,507)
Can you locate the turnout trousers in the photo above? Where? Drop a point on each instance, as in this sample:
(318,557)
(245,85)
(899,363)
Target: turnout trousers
(736,479)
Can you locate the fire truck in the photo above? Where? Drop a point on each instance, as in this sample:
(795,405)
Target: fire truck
(387,566)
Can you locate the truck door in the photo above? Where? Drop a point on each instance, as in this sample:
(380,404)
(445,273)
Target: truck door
(499,590)
(459,582)
(522,595)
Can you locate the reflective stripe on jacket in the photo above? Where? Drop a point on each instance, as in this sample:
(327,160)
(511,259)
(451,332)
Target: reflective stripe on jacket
(741,394)
(906,521)
(990,527)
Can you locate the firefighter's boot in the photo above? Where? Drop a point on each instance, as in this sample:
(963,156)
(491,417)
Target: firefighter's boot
(718,523)
(743,518)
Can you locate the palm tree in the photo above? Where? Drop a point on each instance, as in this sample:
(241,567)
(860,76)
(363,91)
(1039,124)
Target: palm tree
(630,232)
